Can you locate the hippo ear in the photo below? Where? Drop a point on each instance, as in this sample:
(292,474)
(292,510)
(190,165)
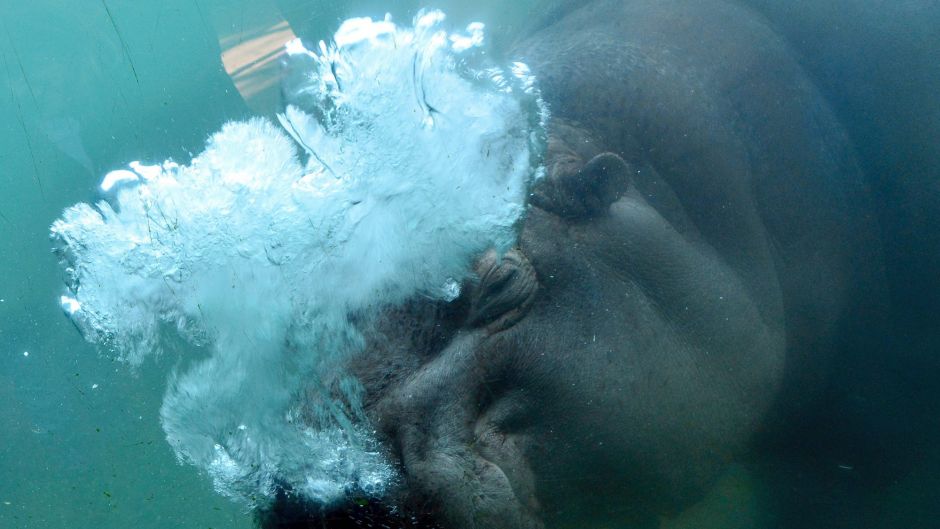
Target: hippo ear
(588,190)
(506,289)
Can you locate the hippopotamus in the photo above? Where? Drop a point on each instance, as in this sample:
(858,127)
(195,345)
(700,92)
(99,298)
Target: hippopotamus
(700,248)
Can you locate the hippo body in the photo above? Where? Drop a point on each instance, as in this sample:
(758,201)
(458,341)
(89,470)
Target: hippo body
(702,246)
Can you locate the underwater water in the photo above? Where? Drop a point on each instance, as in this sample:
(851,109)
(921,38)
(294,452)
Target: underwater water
(82,443)
(134,375)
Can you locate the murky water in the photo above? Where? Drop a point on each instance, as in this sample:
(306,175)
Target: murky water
(87,87)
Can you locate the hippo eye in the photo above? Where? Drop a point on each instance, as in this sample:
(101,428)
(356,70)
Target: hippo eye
(506,289)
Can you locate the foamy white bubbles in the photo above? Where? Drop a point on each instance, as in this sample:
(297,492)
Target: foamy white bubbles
(400,158)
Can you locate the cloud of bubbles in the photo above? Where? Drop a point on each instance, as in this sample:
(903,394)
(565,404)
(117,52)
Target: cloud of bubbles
(401,157)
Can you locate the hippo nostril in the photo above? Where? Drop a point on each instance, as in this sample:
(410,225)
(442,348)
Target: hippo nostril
(507,288)
(290,511)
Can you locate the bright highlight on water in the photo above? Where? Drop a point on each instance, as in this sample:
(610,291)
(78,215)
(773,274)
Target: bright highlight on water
(401,157)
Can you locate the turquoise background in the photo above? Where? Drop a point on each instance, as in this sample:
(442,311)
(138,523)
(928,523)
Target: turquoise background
(85,87)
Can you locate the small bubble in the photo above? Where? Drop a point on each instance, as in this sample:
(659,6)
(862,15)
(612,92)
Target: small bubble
(450,290)
(25,353)
(94,386)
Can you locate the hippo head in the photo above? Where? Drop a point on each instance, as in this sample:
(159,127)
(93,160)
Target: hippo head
(693,230)
(602,369)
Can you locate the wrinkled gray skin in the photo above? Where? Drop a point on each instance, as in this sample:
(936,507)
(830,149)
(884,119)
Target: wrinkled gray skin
(696,249)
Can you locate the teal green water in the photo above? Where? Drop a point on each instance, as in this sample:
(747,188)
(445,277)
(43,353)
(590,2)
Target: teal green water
(85,87)
(88,85)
